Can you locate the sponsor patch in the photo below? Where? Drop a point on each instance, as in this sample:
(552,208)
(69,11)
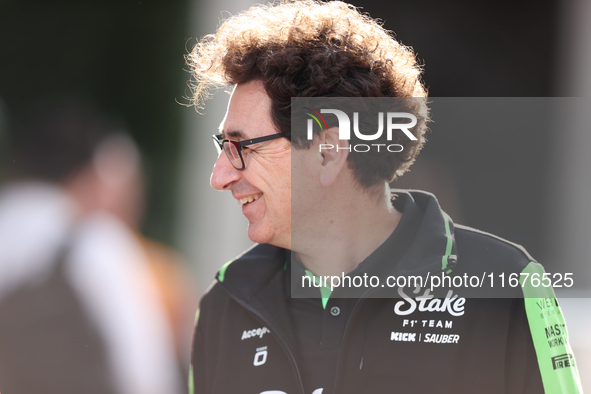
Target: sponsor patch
(563,361)
(257,332)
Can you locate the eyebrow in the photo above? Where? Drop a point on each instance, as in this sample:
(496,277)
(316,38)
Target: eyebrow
(233,134)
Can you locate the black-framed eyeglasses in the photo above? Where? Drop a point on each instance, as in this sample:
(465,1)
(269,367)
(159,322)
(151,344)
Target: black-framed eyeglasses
(233,148)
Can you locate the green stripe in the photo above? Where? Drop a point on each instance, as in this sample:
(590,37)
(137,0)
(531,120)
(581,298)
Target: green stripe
(549,335)
(316,119)
(191,380)
(325,292)
(222,273)
(448,247)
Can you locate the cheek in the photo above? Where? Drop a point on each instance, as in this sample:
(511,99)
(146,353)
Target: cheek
(279,204)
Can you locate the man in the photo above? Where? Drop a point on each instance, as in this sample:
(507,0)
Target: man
(319,206)
(79,303)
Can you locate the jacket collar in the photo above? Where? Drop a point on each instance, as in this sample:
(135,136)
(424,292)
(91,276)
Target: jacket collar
(422,243)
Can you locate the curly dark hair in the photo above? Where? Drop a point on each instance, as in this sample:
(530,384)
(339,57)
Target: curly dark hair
(310,48)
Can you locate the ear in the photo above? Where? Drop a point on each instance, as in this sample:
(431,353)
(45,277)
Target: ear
(334,154)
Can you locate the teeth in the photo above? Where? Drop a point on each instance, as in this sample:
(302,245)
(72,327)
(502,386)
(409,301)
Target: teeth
(248,199)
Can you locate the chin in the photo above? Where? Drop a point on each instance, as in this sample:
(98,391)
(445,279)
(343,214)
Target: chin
(258,234)
(262,235)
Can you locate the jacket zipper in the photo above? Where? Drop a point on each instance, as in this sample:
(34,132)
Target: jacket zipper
(336,378)
(359,300)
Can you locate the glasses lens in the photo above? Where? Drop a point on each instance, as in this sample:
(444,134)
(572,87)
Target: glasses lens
(231,149)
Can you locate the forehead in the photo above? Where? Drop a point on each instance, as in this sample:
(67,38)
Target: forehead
(248,113)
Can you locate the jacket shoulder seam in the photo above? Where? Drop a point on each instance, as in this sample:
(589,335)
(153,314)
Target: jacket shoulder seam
(496,238)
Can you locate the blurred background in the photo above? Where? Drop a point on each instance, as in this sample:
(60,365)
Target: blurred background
(528,184)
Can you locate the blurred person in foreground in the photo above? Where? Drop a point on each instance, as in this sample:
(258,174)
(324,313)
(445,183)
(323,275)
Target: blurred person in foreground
(80,309)
(338,219)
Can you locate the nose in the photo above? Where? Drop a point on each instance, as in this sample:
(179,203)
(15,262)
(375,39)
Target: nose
(224,174)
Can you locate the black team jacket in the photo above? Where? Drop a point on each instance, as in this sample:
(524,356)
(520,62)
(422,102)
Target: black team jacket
(394,339)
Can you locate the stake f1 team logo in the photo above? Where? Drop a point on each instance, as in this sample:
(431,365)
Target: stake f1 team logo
(345,129)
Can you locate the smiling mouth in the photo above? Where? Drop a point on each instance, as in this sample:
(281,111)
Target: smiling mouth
(249,199)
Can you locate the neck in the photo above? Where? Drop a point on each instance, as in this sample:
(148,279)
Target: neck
(346,234)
